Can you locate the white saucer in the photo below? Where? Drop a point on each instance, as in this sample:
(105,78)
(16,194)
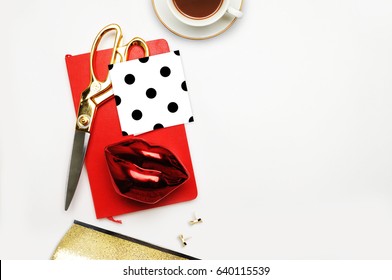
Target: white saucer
(192,32)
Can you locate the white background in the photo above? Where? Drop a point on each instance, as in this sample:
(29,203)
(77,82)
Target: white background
(291,143)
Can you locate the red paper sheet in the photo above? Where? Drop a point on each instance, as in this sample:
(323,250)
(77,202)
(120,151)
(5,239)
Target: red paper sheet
(106,130)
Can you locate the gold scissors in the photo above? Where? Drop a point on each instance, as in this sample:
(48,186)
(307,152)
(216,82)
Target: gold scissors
(91,98)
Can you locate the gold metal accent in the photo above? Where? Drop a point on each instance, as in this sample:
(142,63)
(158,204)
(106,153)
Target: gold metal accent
(196,221)
(95,86)
(100,91)
(83,121)
(183,239)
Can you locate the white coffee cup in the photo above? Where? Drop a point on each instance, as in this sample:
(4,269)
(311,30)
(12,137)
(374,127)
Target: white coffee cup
(214,17)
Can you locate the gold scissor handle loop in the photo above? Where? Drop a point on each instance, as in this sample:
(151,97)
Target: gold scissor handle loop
(99,91)
(136,41)
(120,55)
(117,43)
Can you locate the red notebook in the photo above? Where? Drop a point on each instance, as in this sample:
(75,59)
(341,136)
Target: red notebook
(106,130)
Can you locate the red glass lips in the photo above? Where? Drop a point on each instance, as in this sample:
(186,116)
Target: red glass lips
(144,172)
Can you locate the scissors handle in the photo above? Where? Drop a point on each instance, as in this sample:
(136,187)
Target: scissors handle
(100,91)
(135,41)
(116,45)
(121,54)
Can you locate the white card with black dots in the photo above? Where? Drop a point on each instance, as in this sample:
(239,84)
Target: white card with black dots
(151,93)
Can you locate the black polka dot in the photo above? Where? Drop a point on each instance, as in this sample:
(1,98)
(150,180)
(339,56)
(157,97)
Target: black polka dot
(144,59)
(151,93)
(137,115)
(172,107)
(183,86)
(110,66)
(129,79)
(191,119)
(124,133)
(158,126)
(118,100)
(165,71)
(177,52)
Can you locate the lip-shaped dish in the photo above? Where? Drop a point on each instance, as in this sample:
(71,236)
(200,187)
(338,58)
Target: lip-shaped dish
(143,172)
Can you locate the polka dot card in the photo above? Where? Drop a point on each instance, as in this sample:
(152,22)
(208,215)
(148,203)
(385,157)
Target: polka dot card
(151,93)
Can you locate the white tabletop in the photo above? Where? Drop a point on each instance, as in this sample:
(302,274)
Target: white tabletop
(291,144)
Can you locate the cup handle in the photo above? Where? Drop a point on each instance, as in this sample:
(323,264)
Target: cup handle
(234,12)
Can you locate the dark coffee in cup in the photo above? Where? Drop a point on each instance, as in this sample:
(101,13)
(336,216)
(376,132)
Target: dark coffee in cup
(197,9)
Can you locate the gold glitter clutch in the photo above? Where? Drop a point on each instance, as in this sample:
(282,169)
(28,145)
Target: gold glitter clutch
(84,241)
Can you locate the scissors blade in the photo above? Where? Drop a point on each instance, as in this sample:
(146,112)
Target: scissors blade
(78,152)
